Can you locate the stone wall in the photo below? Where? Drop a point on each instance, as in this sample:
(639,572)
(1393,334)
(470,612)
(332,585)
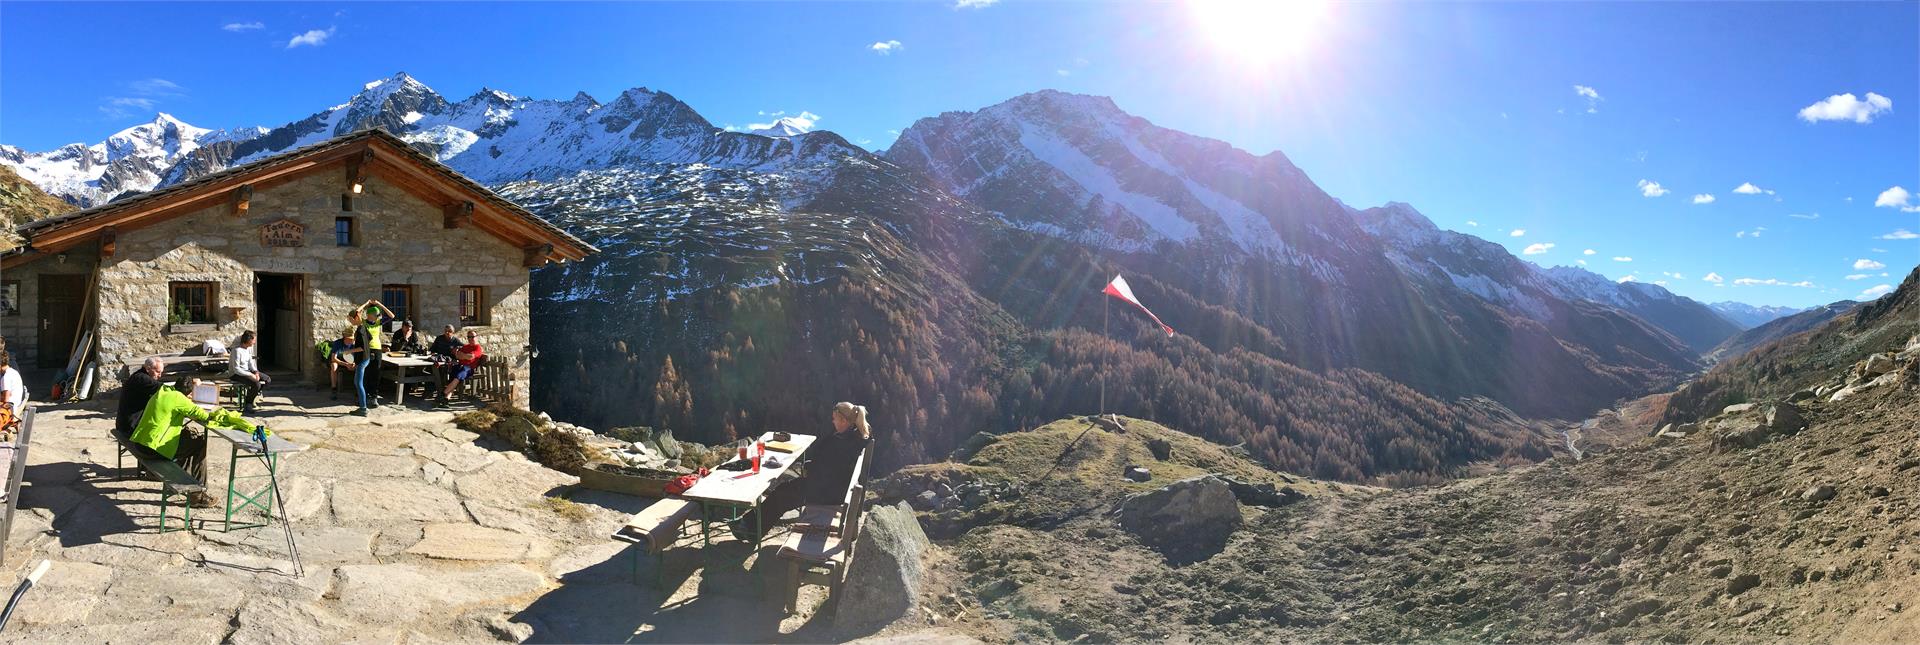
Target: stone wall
(22,331)
(400,240)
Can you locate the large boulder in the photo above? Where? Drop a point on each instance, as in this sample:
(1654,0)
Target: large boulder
(1785,418)
(1876,365)
(1263,494)
(1187,521)
(664,442)
(889,566)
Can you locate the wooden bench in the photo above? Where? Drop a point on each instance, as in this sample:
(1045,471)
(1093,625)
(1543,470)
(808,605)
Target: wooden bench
(820,545)
(174,482)
(654,529)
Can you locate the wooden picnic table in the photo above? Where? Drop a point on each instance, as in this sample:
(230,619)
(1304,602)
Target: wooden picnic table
(743,490)
(405,370)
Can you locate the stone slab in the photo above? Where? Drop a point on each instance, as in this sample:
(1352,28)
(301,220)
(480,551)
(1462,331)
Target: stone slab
(377,501)
(471,542)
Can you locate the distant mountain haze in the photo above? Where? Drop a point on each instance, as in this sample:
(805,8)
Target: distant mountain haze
(952,282)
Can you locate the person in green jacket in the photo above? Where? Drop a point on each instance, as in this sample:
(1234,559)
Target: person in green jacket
(162,431)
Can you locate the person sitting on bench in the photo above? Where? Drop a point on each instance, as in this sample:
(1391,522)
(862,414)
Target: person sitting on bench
(244,370)
(830,465)
(162,433)
(469,356)
(138,388)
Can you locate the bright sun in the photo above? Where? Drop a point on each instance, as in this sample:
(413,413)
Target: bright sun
(1259,33)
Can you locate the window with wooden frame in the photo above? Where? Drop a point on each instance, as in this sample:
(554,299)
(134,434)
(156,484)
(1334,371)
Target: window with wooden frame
(399,299)
(344,231)
(473,306)
(191,303)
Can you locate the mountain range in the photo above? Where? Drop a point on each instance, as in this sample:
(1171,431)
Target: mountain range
(952,280)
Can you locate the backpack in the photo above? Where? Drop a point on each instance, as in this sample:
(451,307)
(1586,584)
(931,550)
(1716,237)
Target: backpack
(325,349)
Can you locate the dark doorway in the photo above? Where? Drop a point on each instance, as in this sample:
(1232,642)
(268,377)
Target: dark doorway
(279,298)
(62,299)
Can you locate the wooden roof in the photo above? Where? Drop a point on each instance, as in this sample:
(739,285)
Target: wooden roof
(367,152)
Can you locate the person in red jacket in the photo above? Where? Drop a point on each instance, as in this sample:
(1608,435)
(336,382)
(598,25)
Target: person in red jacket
(468,357)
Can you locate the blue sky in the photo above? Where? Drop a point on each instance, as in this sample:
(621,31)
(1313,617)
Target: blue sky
(1470,112)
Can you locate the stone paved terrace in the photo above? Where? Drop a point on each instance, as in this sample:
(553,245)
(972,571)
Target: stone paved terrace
(411,530)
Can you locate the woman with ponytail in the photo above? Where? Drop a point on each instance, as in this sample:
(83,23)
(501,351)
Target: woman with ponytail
(829,470)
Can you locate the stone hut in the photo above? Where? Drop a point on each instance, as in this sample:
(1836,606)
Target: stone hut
(285,246)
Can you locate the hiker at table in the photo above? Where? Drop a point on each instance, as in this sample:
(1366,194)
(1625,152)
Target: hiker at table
(830,465)
(469,357)
(243,368)
(340,355)
(406,341)
(367,336)
(135,391)
(446,344)
(162,432)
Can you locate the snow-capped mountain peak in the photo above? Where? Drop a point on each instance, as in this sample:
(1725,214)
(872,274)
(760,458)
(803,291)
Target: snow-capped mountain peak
(785,126)
(493,136)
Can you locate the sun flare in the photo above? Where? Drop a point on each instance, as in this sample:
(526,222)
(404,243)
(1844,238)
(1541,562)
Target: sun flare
(1259,32)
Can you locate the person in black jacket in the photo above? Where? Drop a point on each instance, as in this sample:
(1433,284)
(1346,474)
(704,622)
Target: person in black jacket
(830,464)
(135,391)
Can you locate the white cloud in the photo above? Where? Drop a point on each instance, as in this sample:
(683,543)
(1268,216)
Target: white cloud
(1536,249)
(1472,223)
(1845,107)
(1703,198)
(804,119)
(1652,189)
(1588,252)
(1859,276)
(1582,262)
(974,4)
(1753,233)
(1804,215)
(1660,282)
(1900,234)
(1864,264)
(1592,96)
(313,37)
(1749,189)
(886,47)
(1895,197)
(1063,72)
(864,141)
(1518,232)
(1770,282)
(1627,279)
(120,107)
(156,87)
(1874,292)
(1714,278)
(1622,258)
(243,26)
(1878,250)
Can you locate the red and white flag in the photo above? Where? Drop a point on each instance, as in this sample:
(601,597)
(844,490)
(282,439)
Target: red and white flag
(1119,289)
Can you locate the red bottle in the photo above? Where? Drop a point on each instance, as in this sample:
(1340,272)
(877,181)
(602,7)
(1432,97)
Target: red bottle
(759,452)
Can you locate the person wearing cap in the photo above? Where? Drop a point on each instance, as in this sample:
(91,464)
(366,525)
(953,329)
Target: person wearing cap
(368,336)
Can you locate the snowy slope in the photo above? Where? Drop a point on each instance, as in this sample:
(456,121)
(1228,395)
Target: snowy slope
(132,160)
(492,136)
(1749,316)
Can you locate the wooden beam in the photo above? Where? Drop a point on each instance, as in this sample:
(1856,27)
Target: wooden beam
(536,255)
(357,168)
(172,206)
(241,200)
(109,240)
(457,214)
(400,161)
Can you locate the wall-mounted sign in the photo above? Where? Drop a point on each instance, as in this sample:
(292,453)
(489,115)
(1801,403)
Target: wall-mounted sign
(283,232)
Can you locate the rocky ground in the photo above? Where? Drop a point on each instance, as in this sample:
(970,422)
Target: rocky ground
(411,530)
(1769,522)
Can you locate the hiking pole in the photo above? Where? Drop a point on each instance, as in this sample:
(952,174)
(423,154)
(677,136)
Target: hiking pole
(21,590)
(286,520)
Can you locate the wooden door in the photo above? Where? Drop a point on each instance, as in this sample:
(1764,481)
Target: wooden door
(62,300)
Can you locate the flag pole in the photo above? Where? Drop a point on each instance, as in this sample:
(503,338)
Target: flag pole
(1105,304)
